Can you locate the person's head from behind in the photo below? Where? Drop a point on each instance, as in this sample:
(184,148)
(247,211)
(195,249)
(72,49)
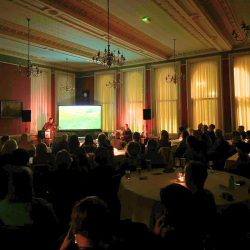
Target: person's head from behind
(101,156)
(181,129)
(133,149)
(219,133)
(4,139)
(117,135)
(241,129)
(248,134)
(91,219)
(21,186)
(102,138)
(24,137)
(89,140)
(236,136)
(20,157)
(74,144)
(192,142)
(51,120)
(175,198)
(41,149)
(205,128)
(63,160)
(136,137)
(152,145)
(195,175)
(211,127)
(200,126)
(197,135)
(184,134)
(65,137)
(164,135)
(9,146)
(190,131)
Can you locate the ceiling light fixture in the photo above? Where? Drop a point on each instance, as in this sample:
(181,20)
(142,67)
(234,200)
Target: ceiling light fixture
(246,29)
(66,88)
(175,79)
(108,58)
(30,69)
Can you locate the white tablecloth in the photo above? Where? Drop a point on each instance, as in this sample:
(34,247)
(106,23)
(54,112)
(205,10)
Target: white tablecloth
(138,197)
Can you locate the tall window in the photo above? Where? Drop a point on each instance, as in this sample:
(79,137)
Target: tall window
(132,98)
(105,96)
(64,98)
(40,100)
(242,90)
(205,93)
(166,98)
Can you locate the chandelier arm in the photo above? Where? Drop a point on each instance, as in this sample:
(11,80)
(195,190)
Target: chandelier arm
(28,40)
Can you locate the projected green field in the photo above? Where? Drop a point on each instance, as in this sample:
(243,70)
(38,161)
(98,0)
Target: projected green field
(79,117)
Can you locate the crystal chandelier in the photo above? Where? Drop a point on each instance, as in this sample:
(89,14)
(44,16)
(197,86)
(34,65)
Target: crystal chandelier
(30,69)
(109,58)
(114,84)
(246,30)
(66,88)
(175,79)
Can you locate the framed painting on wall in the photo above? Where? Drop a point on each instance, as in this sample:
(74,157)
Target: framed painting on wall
(11,109)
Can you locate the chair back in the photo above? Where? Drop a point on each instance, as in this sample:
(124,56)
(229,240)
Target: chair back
(165,153)
(89,149)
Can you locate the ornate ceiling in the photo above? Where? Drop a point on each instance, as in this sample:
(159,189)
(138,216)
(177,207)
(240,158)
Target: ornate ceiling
(77,29)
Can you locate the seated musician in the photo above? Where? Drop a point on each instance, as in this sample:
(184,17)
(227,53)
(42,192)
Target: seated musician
(50,127)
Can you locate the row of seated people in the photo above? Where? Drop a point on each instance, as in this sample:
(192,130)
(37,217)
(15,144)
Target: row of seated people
(94,225)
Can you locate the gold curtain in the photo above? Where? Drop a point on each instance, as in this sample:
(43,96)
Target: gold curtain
(105,96)
(166,100)
(205,93)
(242,90)
(132,100)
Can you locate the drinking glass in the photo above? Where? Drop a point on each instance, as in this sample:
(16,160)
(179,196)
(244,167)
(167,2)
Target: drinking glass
(211,163)
(127,174)
(148,165)
(139,170)
(177,162)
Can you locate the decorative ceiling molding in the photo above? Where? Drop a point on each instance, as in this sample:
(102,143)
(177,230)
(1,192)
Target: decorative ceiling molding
(86,12)
(195,24)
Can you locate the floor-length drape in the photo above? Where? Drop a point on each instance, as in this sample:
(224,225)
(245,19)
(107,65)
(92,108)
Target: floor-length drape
(166,100)
(64,98)
(242,90)
(105,96)
(40,101)
(205,93)
(132,97)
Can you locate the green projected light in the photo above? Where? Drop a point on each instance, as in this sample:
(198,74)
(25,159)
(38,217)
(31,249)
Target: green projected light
(145,19)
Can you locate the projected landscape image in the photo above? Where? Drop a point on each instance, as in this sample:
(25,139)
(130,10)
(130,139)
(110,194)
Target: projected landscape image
(79,117)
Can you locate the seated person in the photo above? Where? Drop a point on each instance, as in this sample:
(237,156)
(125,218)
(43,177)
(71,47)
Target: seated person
(102,140)
(7,150)
(25,144)
(74,145)
(152,155)
(242,132)
(127,133)
(42,157)
(137,138)
(132,161)
(181,129)
(183,145)
(201,144)
(63,144)
(236,139)
(3,140)
(211,129)
(248,136)
(63,160)
(200,128)
(117,142)
(190,131)
(89,144)
(206,138)
(195,177)
(20,157)
(164,140)
(193,152)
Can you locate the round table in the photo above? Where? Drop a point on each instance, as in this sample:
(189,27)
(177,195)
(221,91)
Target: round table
(138,198)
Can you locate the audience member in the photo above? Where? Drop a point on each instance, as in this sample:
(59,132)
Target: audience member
(248,136)
(22,210)
(201,145)
(102,140)
(211,129)
(42,157)
(200,128)
(152,155)
(25,144)
(20,157)
(242,132)
(132,161)
(190,131)
(206,137)
(7,150)
(193,152)
(117,142)
(181,129)
(195,177)
(183,145)
(89,144)
(63,144)
(63,160)
(137,138)
(236,140)
(74,145)
(3,140)
(164,140)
